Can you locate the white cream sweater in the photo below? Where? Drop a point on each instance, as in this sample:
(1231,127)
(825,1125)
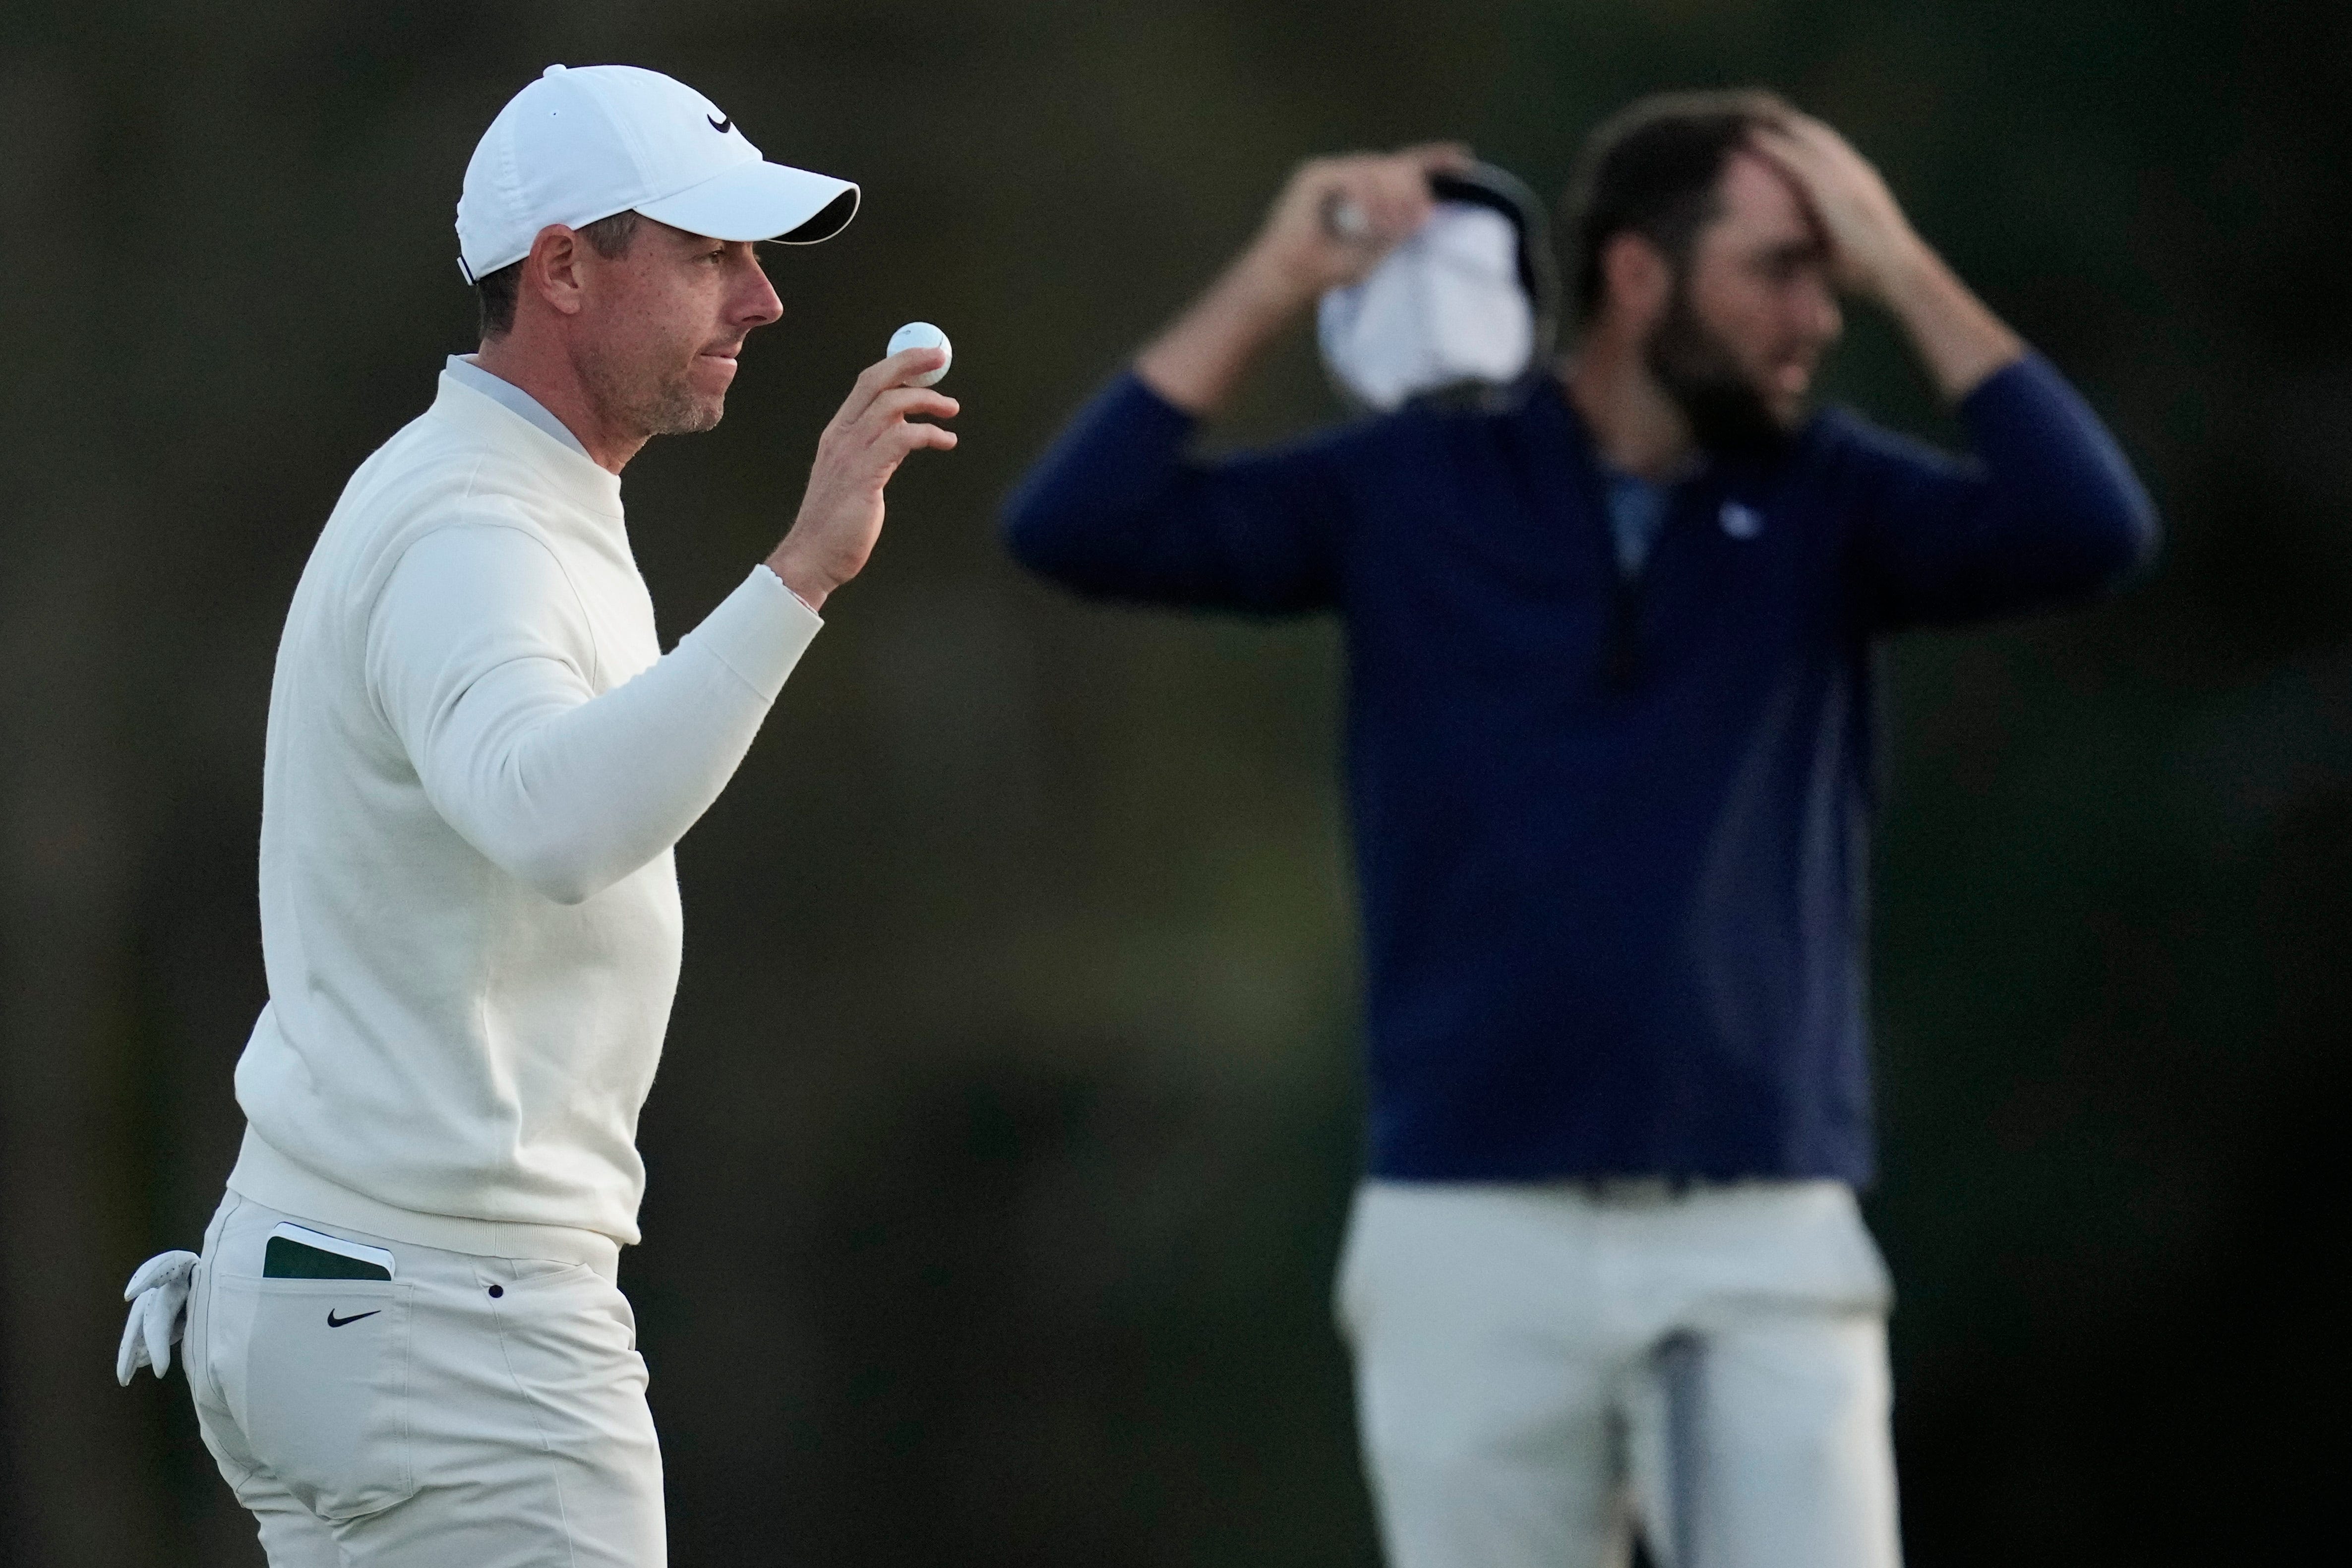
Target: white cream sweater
(477,762)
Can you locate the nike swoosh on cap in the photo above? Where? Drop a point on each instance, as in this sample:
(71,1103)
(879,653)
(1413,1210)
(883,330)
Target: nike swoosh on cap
(335,1323)
(721,126)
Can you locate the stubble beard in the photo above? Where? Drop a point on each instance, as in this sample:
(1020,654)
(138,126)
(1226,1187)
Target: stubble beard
(647,403)
(1728,414)
(673,408)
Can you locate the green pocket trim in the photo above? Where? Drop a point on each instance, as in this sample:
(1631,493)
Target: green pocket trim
(286,1258)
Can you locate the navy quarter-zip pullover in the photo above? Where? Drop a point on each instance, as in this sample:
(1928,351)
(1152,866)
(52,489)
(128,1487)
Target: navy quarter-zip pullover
(1612,831)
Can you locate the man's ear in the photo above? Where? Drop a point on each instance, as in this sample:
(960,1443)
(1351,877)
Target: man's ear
(1637,281)
(551,271)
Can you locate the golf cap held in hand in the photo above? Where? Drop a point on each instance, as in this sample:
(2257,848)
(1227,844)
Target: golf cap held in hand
(582,143)
(1466,308)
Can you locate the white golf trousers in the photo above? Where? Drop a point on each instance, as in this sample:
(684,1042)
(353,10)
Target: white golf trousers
(488,1412)
(1543,1369)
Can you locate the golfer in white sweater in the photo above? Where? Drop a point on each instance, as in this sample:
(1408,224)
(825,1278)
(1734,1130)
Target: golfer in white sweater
(404,1337)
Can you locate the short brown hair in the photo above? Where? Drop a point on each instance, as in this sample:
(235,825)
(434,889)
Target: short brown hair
(1652,169)
(611,237)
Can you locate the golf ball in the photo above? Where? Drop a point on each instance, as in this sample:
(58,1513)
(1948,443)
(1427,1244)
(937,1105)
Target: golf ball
(922,336)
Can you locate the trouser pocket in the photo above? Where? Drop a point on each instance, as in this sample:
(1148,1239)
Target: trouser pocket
(316,1378)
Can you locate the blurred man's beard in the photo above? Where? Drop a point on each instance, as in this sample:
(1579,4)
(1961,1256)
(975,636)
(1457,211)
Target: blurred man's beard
(1727,411)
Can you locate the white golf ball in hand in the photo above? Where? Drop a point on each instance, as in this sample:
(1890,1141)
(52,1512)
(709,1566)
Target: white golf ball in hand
(922,336)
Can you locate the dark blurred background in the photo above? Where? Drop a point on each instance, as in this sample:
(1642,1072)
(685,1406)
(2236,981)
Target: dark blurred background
(1009,1111)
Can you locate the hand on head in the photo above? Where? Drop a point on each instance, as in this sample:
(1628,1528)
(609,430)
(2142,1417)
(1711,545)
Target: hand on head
(841,514)
(1869,241)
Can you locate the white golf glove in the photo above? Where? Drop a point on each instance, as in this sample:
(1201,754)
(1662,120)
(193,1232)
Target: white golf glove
(158,1294)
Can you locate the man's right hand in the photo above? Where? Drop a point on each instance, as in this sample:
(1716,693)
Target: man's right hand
(841,514)
(1338,216)
(1305,247)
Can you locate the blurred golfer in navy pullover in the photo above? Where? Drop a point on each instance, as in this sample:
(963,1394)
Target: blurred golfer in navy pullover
(1609,750)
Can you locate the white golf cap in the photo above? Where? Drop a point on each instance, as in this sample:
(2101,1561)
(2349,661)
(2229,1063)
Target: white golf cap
(582,143)
(1463,308)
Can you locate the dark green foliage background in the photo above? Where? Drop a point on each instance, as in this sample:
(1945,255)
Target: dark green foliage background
(1000,1155)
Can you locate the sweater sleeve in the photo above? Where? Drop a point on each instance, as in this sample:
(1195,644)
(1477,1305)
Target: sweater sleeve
(480,656)
(1117,509)
(2047,512)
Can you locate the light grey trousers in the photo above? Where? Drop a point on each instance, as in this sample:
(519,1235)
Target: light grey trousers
(1541,1369)
(488,1412)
